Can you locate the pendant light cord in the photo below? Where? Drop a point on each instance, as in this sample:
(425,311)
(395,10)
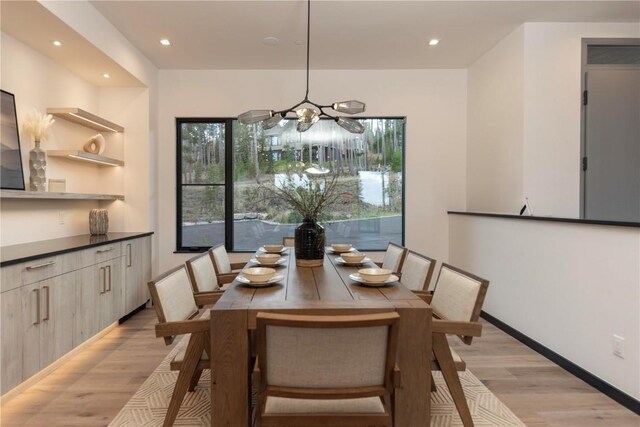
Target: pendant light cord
(306,95)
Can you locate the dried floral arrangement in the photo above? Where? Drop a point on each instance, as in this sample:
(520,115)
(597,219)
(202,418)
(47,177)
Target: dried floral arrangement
(309,195)
(37,125)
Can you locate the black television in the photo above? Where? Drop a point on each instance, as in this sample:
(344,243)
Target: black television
(11,177)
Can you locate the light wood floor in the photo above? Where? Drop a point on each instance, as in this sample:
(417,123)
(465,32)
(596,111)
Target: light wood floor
(90,389)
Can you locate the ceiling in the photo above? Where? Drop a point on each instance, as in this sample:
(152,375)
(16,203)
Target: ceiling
(345,34)
(33,25)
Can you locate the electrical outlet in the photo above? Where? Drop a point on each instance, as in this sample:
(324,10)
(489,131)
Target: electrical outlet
(618,346)
(61,217)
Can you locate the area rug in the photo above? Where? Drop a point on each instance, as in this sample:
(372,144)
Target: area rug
(149,404)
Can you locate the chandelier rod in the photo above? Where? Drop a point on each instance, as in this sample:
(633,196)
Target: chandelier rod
(306,95)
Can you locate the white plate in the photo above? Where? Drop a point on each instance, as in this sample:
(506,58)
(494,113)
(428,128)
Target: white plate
(281,261)
(340,260)
(262,249)
(356,278)
(274,279)
(331,251)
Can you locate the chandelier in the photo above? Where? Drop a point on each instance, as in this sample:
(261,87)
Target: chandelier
(306,111)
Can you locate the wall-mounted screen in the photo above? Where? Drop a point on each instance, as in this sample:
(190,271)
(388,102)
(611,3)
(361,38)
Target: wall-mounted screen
(10,157)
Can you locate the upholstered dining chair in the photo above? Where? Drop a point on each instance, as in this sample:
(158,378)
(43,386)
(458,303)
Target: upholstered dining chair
(417,271)
(177,309)
(393,258)
(288,242)
(222,264)
(456,303)
(202,274)
(326,370)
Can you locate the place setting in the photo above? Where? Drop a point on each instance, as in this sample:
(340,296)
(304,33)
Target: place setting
(352,259)
(340,248)
(267,259)
(273,249)
(259,277)
(374,277)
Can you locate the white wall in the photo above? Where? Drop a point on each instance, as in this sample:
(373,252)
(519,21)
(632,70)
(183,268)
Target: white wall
(568,286)
(38,82)
(552,62)
(495,127)
(434,102)
(524,118)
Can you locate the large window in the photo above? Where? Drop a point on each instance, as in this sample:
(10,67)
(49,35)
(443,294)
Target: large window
(222,165)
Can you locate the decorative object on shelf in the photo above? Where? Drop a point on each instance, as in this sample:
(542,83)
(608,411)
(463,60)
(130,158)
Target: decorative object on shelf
(11,177)
(37,125)
(95,145)
(98,221)
(57,185)
(309,196)
(306,111)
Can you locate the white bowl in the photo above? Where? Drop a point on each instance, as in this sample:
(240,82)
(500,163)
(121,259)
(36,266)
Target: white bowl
(273,248)
(268,258)
(353,257)
(259,274)
(341,247)
(375,275)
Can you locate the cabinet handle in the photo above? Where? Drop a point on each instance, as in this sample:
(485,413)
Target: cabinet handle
(45,264)
(37,291)
(101,251)
(108,268)
(102,285)
(128,254)
(47,317)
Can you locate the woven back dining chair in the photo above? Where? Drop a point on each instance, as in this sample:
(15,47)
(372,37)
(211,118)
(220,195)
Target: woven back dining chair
(393,257)
(288,242)
(417,271)
(326,370)
(176,307)
(202,274)
(456,303)
(221,262)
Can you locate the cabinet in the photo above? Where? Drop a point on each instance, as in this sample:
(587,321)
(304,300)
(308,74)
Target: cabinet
(137,265)
(54,304)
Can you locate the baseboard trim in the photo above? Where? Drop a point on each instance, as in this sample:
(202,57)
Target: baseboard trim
(23,386)
(602,386)
(133,313)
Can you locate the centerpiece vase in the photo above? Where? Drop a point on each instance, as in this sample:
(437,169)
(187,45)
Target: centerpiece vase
(309,244)
(37,168)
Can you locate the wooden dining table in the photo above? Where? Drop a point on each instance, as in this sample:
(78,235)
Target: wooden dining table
(325,290)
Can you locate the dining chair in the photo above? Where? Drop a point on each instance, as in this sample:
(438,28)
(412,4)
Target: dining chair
(202,274)
(288,242)
(456,303)
(177,310)
(393,258)
(222,264)
(416,271)
(326,370)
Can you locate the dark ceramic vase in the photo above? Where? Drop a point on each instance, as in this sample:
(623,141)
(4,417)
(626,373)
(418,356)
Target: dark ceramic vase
(309,244)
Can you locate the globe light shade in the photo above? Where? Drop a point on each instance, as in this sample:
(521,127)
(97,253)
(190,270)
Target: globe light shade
(272,122)
(254,116)
(307,115)
(303,127)
(350,125)
(349,107)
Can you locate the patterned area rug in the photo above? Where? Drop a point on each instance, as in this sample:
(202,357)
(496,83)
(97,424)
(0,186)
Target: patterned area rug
(149,405)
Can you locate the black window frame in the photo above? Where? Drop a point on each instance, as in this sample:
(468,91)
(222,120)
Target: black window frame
(229,182)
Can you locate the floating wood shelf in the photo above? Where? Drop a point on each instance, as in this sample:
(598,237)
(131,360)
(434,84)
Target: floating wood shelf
(84,118)
(83,156)
(45,195)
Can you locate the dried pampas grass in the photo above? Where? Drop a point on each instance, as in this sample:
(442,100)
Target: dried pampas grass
(37,125)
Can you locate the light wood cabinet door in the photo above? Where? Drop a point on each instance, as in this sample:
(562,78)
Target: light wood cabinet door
(11,339)
(30,326)
(58,308)
(91,289)
(137,272)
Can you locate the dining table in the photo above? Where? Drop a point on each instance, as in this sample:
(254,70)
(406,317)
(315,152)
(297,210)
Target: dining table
(324,290)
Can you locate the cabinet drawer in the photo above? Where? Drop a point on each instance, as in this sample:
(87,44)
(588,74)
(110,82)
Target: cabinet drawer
(11,277)
(41,269)
(100,254)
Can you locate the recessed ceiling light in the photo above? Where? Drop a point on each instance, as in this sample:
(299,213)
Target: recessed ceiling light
(165,42)
(106,75)
(270,41)
(433,42)
(57,43)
